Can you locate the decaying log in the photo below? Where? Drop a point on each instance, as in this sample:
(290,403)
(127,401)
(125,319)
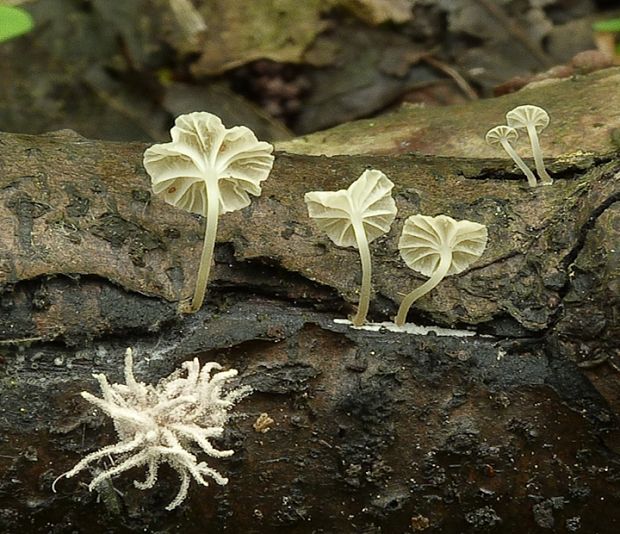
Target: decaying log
(508,422)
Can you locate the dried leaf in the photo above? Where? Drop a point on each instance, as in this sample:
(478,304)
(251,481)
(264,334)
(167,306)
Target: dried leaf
(379,11)
(240,31)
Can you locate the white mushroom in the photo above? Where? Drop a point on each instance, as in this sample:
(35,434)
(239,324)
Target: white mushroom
(505,136)
(208,169)
(354,217)
(437,247)
(534,120)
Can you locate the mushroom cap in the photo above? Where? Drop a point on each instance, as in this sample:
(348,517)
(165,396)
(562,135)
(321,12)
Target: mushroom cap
(424,238)
(367,200)
(522,116)
(495,135)
(203,149)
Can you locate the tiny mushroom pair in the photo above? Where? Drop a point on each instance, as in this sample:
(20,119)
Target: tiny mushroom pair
(434,246)
(210,170)
(533,119)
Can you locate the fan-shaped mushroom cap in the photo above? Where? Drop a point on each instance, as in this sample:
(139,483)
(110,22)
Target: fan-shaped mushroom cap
(505,136)
(202,149)
(524,116)
(367,200)
(533,119)
(425,239)
(495,135)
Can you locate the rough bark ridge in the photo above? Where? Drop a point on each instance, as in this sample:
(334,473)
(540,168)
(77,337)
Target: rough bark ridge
(513,429)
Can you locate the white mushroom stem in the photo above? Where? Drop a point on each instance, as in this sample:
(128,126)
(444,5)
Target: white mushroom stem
(531,179)
(545,179)
(213,212)
(364,250)
(438,276)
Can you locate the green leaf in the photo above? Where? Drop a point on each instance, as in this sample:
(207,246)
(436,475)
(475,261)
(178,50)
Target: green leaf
(14,22)
(611,25)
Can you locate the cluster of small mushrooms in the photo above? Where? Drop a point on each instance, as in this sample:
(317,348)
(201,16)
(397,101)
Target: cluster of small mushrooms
(532,119)
(210,170)
(434,246)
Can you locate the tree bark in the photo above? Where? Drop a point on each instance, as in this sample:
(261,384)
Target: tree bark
(513,428)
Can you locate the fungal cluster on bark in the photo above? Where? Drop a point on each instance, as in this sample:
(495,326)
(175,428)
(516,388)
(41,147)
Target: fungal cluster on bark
(184,176)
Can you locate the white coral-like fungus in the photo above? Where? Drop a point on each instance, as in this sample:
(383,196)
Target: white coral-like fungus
(158,424)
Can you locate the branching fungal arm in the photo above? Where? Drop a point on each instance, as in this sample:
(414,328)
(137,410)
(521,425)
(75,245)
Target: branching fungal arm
(160,423)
